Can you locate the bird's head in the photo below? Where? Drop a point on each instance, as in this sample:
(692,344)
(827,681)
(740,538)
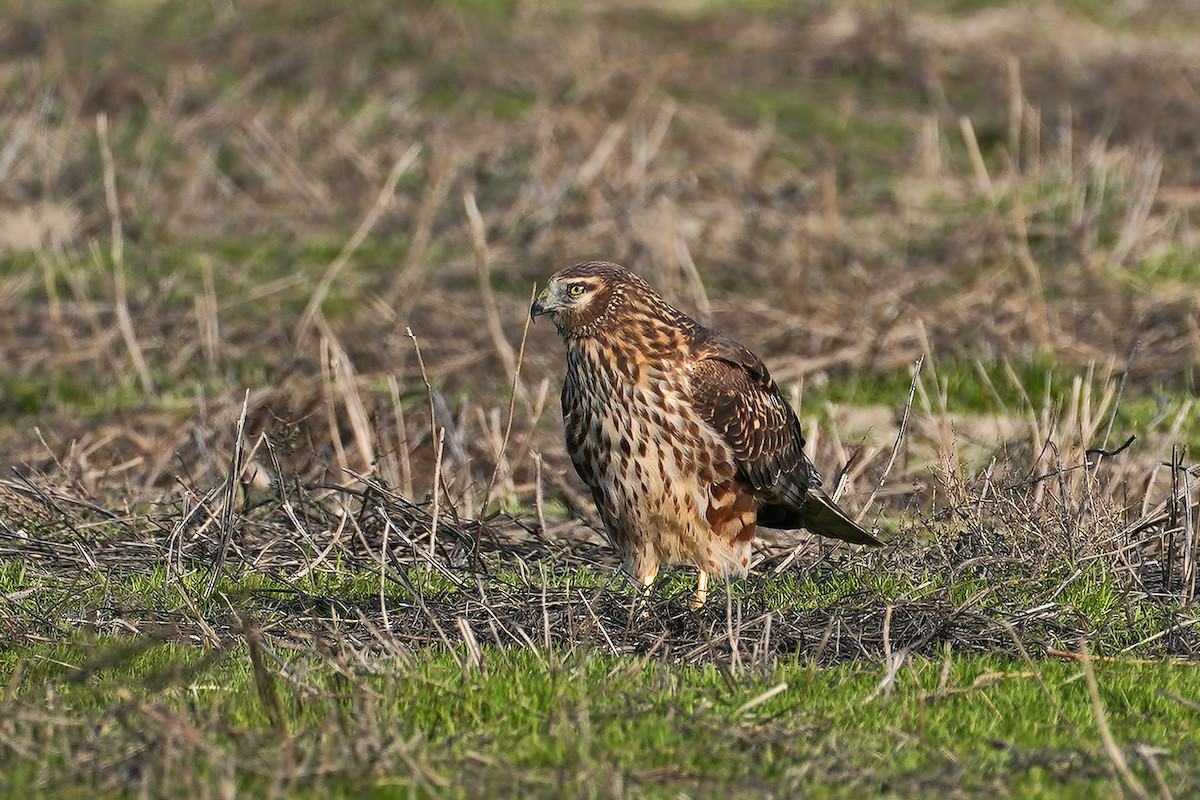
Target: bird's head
(586,299)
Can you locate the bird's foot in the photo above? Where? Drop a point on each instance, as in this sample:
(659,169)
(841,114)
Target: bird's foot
(701,595)
(647,590)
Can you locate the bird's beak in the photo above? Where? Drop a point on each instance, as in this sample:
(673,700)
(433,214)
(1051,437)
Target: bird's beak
(539,306)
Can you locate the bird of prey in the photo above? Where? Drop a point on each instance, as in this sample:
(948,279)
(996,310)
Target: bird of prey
(680,432)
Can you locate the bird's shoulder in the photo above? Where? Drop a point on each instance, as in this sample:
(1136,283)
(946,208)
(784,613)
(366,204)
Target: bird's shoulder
(733,391)
(723,358)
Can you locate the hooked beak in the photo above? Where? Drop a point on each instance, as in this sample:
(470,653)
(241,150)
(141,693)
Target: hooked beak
(539,306)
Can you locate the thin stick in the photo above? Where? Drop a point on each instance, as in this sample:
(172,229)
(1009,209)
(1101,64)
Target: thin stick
(437,480)
(438,483)
(428,385)
(887,470)
(1012,632)
(1188,574)
(815,660)
(1110,744)
(591,168)
(1112,417)
(1147,754)
(512,406)
(327,379)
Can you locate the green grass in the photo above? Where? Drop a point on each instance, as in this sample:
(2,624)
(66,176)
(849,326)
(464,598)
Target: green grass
(803,113)
(1090,599)
(1174,264)
(1014,388)
(573,721)
(86,395)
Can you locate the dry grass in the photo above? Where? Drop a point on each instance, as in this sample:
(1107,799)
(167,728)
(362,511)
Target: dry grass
(263,291)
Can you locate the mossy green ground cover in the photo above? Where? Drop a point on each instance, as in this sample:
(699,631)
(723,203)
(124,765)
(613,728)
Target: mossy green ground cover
(322,716)
(580,722)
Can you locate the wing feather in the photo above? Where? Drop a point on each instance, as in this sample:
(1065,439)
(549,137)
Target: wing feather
(734,393)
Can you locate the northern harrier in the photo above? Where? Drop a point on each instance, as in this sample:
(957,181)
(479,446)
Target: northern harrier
(680,433)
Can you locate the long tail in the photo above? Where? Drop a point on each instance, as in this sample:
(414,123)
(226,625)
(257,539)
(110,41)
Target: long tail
(821,515)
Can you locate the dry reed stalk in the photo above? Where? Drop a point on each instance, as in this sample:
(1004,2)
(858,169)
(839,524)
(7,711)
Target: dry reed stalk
(474,660)
(540,400)
(207,319)
(264,679)
(646,145)
(491,315)
(117,256)
(382,201)
(842,483)
(982,179)
(1066,144)
(53,301)
(893,661)
(539,497)
(815,660)
(683,257)
(402,292)
(428,386)
(232,477)
(929,147)
(1116,404)
(344,384)
(1016,108)
(591,168)
(285,499)
(328,378)
(759,699)
(1148,754)
(733,634)
(335,541)
(1147,178)
(402,446)
(437,483)
(18,137)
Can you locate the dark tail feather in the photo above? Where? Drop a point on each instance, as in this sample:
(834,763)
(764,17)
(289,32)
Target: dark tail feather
(822,516)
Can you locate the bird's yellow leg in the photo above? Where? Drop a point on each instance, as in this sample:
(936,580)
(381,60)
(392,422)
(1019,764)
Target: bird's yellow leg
(701,589)
(647,588)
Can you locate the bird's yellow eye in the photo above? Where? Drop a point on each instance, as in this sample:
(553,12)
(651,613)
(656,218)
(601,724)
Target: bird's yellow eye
(576,289)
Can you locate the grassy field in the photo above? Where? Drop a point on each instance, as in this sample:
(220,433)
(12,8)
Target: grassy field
(285,509)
